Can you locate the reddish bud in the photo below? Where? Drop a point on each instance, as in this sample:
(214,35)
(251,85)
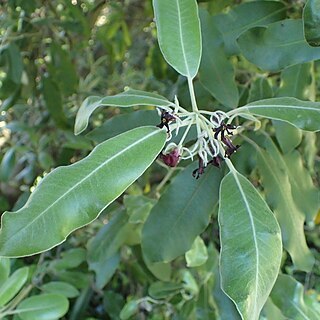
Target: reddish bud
(172,158)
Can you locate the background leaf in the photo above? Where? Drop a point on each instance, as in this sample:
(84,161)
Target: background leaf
(251,248)
(311,21)
(302,114)
(276,183)
(246,16)
(178,29)
(277,46)
(288,296)
(182,213)
(128,98)
(43,307)
(69,198)
(216,71)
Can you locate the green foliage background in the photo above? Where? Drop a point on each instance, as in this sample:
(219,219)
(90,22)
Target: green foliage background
(54,54)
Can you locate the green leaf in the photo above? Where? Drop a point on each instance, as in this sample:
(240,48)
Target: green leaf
(295,81)
(13,285)
(246,16)
(276,183)
(103,248)
(277,46)
(180,215)
(53,101)
(70,259)
(304,192)
(7,164)
(302,114)
(62,288)
(129,309)
(162,290)
(43,307)
(251,247)
(125,99)
(311,21)
(179,37)
(4,270)
(271,311)
(288,136)
(138,207)
(288,296)
(260,89)
(216,71)
(113,303)
(123,122)
(198,254)
(73,196)
(15,63)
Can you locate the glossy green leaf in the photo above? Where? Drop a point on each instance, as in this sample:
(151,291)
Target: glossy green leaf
(162,290)
(311,21)
(71,197)
(276,183)
(277,46)
(304,192)
(43,307)
(125,99)
(302,114)
(180,215)
(123,122)
(103,248)
(251,248)
(13,285)
(216,72)
(62,288)
(246,16)
(80,280)
(288,296)
(198,254)
(179,37)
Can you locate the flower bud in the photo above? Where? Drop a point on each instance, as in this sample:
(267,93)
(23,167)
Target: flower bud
(172,158)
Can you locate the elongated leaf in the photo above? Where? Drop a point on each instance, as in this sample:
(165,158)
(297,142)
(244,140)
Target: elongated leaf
(13,285)
(251,247)
(123,122)
(302,114)
(102,249)
(277,46)
(304,193)
(288,296)
(246,16)
(43,307)
(125,99)
(71,197)
(260,89)
(60,287)
(216,71)
(15,63)
(179,35)
(181,214)
(271,311)
(276,183)
(4,270)
(311,21)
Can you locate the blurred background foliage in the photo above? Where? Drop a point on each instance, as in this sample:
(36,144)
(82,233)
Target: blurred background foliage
(55,53)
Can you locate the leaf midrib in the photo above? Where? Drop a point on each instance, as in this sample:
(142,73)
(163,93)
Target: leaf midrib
(81,181)
(254,236)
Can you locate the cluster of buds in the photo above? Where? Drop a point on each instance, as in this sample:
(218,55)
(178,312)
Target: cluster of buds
(213,142)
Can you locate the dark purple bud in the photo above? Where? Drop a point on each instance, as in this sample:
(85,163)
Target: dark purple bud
(216,161)
(172,158)
(199,171)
